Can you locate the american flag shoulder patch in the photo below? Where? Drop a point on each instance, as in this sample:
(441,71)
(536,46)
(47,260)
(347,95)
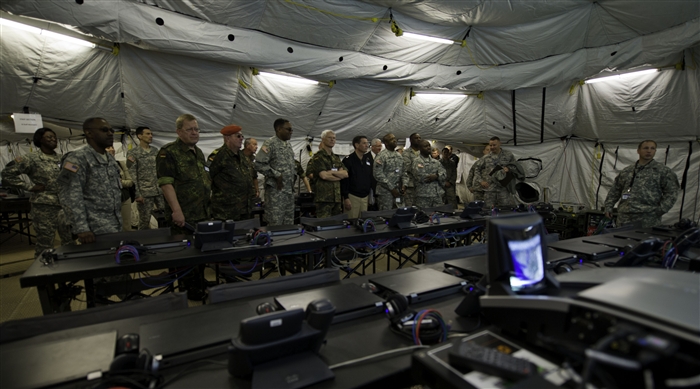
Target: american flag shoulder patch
(71,167)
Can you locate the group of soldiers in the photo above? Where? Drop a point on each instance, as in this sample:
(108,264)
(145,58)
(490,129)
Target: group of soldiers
(83,189)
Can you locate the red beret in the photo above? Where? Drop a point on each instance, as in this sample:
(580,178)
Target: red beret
(230,130)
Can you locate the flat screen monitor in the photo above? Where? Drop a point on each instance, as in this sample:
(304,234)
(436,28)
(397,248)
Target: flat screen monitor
(517,252)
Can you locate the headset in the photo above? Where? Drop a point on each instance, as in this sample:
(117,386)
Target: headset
(365,225)
(426,326)
(129,251)
(261,238)
(141,367)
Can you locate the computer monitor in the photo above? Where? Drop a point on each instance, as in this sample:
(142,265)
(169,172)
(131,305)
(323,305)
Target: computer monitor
(516,253)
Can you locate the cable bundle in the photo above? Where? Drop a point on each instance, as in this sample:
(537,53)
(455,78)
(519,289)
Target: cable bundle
(439,336)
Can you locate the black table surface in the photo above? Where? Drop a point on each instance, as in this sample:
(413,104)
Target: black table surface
(73,269)
(345,341)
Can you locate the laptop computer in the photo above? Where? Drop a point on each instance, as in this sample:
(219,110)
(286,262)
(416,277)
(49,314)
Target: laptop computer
(633,235)
(107,243)
(350,301)
(476,266)
(555,257)
(675,303)
(588,251)
(33,365)
(323,224)
(420,285)
(611,241)
(184,338)
(281,230)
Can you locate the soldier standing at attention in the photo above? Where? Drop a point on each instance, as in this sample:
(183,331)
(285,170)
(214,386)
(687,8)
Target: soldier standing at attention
(276,162)
(388,171)
(183,176)
(42,168)
(232,188)
(90,187)
(325,170)
(494,192)
(141,162)
(409,156)
(474,182)
(647,190)
(429,178)
(450,165)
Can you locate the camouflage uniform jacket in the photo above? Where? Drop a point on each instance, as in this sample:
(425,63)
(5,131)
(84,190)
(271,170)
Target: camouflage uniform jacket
(492,160)
(90,191)
(388,171)
(473,179)
(409,156)
(654,190)
(423,167)
(186,171)
(451,169)
(276,158)
(42,169)
(231,183)
(325,191)
(251,163)
(142,168)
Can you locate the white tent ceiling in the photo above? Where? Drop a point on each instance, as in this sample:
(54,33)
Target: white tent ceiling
(526,56)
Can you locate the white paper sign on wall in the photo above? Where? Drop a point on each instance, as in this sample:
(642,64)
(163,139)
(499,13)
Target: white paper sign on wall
(27,123)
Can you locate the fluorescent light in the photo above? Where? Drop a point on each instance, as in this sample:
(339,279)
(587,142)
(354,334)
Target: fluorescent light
(19,26)
(39,31)
(442,95)
(621,76)
(428,38)
(290,79)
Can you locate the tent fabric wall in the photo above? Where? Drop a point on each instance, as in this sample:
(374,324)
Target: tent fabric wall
(525,60)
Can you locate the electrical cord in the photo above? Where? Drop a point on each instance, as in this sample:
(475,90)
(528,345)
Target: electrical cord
(378,355)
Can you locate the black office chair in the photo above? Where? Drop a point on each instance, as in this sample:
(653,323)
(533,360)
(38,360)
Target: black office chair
(441,255)
(270,286)
(26,328)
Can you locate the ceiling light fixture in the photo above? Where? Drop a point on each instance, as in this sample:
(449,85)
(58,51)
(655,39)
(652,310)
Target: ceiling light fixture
(55,35)
(621,76)
(291,79)
(430,38)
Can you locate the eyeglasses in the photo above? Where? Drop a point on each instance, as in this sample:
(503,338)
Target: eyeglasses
(104,129)
(191,130)
(240,136)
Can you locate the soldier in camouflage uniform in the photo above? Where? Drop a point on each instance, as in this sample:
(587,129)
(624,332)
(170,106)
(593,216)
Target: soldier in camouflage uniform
(325,170)
(409,156)
(388,171)
(42,168)
(141,162)
(302,176)
(90,187)
(494,192)
(250,147)
(648,190)
(276,162)
(474,182)
(232,189)
(184,177)
(429,176)
(449,162)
